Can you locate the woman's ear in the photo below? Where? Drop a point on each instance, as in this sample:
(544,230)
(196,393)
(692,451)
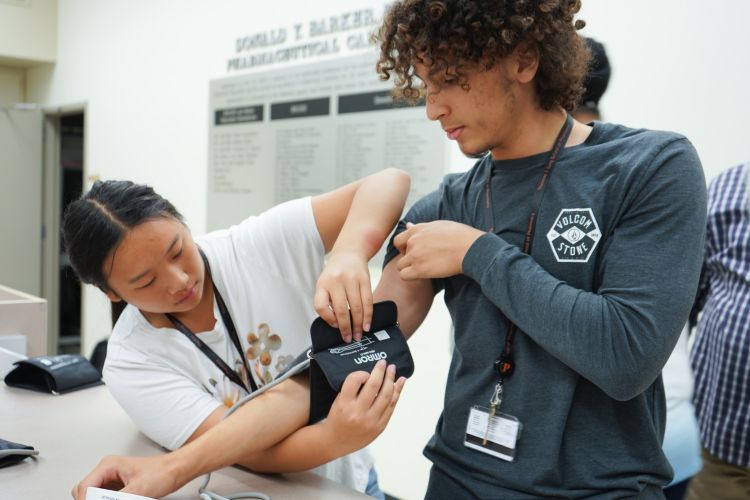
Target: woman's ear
(111,295)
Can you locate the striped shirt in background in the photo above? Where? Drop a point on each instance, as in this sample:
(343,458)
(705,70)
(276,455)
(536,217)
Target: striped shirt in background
(721,355)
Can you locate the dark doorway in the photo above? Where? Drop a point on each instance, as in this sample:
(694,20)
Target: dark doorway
(71,187)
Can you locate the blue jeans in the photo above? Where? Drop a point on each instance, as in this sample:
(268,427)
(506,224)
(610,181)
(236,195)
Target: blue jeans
(682,444)
(373,489)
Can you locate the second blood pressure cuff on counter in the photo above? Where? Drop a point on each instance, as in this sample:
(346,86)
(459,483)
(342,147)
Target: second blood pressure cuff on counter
(331,360)
(54,374)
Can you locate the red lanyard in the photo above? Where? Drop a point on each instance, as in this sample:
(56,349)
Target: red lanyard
(504,363)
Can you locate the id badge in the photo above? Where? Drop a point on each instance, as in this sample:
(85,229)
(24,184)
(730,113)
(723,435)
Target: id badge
(494,435)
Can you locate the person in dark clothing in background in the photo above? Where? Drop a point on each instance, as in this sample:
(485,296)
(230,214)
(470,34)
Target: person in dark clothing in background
(594,84)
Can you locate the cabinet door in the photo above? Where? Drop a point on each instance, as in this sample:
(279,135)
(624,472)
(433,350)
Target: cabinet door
(21,199)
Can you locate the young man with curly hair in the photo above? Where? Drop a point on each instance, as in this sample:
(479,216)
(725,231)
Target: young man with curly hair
(569,256)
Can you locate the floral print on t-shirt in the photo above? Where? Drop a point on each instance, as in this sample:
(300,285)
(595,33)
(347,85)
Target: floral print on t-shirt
(260,353)
(227,392)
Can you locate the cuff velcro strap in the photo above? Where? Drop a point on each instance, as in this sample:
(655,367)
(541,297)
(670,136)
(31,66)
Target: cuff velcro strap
(332,359)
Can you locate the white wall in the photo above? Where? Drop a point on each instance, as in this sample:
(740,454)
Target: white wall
(12,85)
(142,67)
(28,30)
(679,65)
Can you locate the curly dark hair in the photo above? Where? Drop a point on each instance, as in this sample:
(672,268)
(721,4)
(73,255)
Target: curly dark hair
(453,36)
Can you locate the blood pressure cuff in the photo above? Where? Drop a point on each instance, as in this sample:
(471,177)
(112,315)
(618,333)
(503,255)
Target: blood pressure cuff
(12,453)
(54,374)
(331,360)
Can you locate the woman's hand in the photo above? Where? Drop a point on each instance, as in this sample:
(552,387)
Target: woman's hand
(148,476)
(357,416)
(343,288)
(353,222)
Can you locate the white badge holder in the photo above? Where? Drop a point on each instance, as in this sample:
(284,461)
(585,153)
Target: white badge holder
(495,435)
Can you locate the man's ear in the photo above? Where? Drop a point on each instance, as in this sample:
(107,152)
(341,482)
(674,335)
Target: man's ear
(526,55)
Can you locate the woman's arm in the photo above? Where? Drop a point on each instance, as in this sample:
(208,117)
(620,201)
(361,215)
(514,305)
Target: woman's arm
(224,443)
(353,222)
(353,423)
(294,392)
(356,418)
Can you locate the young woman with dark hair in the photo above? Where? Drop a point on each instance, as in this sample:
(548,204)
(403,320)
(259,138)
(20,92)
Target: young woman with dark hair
(207,320)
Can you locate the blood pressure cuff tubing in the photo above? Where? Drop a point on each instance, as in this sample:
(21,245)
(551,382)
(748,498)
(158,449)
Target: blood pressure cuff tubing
(54,374)
(331,360)
(13,453)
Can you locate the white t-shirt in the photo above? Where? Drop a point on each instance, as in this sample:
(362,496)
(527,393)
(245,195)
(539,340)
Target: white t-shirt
(266,269)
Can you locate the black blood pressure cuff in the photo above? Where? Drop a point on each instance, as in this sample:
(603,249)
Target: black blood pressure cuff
(54,374)
(13,453)
(331,360)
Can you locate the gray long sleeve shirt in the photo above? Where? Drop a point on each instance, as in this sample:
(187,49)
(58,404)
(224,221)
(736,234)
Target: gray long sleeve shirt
(599,303)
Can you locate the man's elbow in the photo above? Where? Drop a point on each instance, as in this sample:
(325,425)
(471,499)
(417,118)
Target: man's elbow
(628,386)
(622,392)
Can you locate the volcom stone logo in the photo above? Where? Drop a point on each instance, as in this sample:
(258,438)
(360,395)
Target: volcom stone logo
(574,235)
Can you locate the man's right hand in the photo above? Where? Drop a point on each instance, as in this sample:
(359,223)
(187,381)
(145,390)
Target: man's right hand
(148,476)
